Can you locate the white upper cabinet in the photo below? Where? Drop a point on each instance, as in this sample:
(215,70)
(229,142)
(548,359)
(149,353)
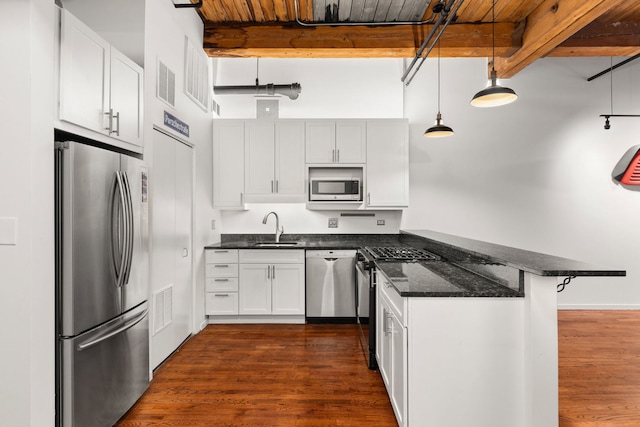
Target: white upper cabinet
(126,98)
(259,157)
(274,160)
(289,155)
(351,141)
(387,180)
(331,141)
(100,88)
(228,164)
(84,69)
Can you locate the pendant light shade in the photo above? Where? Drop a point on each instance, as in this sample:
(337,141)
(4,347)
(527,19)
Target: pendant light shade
(439,129)
(493,95)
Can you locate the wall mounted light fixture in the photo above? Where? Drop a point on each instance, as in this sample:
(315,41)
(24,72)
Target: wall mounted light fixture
(439,129)
(493,95)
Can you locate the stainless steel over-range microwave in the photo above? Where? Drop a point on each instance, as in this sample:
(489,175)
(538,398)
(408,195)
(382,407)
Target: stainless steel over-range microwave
(335,189)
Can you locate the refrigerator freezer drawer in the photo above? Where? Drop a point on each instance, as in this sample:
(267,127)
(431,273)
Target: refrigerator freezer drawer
(105,370)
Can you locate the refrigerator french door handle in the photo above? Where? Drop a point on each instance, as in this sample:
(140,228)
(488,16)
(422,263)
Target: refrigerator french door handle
(128,325)
(128,228)
(118,230)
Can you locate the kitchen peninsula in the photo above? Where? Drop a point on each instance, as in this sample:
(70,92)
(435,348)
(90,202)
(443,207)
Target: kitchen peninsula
(470,339)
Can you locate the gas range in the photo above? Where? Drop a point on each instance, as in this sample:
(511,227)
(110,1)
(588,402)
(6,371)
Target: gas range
(400,253)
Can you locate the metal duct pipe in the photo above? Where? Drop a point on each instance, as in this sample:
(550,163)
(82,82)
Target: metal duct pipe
(292,90)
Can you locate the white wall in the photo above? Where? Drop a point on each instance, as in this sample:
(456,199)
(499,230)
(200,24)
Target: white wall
(166,28)
(331,88)
(26,194)
(535,174)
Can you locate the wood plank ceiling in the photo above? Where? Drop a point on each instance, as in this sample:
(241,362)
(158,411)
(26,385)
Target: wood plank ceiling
(525,30)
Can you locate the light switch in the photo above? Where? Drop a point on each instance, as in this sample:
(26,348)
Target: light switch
(8,231)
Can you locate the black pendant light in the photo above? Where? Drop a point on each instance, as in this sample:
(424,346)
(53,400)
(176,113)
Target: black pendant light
(494,95)
(439,129)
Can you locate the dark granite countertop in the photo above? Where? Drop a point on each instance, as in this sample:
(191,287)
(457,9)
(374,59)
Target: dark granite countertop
(444,279)
(307,241)
(468,268)
(531,262)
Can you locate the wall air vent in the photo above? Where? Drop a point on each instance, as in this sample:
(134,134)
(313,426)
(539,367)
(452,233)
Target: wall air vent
(196,75)
(166,84)
(627,171)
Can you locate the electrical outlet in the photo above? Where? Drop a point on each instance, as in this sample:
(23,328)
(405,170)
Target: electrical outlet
(333,222)
(381,222)
(213,224)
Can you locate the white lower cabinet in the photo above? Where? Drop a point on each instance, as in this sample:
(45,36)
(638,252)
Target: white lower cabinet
(392,346)
(221,276)
(450,362)
(271,282)
(255,285)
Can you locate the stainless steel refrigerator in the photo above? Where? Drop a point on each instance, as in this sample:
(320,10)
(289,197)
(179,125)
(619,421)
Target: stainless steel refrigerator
(102,353)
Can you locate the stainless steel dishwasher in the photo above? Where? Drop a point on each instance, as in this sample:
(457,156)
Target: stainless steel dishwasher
(330,286)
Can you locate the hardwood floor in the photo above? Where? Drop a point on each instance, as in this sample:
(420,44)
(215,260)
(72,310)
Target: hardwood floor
(599,368)
(266,375)
(315,375)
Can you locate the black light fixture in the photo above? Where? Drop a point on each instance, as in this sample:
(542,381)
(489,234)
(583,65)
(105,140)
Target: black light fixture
(493,95)
(439,129)
(187,4)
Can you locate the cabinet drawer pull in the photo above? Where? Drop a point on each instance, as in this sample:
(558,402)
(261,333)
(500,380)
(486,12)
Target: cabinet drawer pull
(221,252)
(220,280)
(221,295)
(221,266)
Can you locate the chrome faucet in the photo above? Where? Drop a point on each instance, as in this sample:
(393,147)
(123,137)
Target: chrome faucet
(279,230)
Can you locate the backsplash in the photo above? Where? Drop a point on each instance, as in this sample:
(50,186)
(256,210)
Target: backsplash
(297,219)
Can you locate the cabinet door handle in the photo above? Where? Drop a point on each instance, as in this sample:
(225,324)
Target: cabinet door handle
(273,269)
(272,187)
(277,189)
(387,326)
(368,198)
(117,131)
(338,156)
(333,156)
(109,128)
(268,272)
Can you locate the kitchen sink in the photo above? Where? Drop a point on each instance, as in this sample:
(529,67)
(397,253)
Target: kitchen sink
(278,244)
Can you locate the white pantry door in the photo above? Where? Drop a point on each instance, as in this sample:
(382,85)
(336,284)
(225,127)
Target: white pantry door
(171,185)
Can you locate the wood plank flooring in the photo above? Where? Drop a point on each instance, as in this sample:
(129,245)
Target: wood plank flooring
(599,368)
(266,375)
(315,375)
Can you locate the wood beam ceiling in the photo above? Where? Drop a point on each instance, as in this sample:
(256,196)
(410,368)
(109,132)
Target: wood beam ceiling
(549,25)
(385,41)
(551,28)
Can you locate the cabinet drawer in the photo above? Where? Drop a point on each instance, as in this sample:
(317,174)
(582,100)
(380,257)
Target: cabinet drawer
(217,284)
(396,302)
(221,303)
(272,256)
(221,256)
(221,270)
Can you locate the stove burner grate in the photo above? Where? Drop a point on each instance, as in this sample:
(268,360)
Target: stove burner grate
(401,253)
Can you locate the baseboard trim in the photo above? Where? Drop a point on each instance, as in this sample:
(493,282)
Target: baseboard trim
(598,307)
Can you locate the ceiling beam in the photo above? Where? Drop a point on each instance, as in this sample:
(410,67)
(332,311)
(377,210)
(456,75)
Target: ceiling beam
(602,39)
(355,41)
(548,26)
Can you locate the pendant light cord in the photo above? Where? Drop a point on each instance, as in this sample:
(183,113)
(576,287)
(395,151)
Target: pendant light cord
(611,84)
(493,35)
(438,76)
